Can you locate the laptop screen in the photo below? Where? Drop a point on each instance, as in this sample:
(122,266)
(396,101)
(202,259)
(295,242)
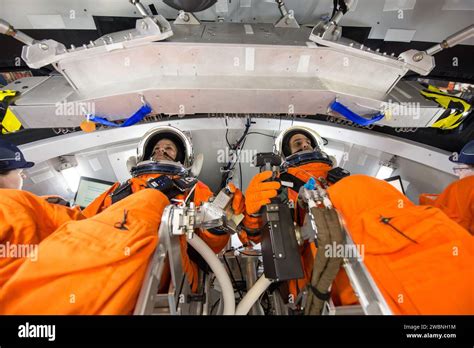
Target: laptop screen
(396,182)
(89,189)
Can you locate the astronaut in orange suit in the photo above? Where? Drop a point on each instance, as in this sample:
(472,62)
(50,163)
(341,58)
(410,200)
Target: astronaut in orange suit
(166,150)
(94,262)
(303,151)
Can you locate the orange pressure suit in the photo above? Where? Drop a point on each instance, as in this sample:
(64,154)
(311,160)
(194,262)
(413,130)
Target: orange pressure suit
(420,259)
(456,201)
(83,266)
(214,239)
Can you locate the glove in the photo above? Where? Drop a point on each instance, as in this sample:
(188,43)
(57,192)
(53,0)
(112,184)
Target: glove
(238,202)
(251,230)
(57,200)
(259,192)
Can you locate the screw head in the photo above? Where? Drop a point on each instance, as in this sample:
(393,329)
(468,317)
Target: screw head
(418,57)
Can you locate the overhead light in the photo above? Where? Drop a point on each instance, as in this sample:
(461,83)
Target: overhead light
(72,178)
(384,172)
(386,168)
(67,166)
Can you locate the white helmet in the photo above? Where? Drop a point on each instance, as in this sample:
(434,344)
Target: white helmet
(317,154)
(282,145)
(143,163)
(185,148)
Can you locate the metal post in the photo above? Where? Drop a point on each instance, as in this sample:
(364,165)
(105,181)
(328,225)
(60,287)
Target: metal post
(452,40)
(146,298)
(282,7)
(251,279)
(140,8)
(7,29)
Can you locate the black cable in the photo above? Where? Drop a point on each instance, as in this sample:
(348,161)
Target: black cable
(238,156)
(225,175)
(247,127)
(266,299)
(334,8)
(214,306)
(242,140)
(227,139)
(343,6)
(267,135)
(180,290)
(240,174)
(230,166)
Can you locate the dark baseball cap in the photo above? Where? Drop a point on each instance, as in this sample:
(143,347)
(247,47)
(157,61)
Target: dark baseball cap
(466,156)
(11,157)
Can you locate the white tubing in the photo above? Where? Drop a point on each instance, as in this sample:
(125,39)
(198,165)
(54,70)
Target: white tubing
(253,295)
(220,272)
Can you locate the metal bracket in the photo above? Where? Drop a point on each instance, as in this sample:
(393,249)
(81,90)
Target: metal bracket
(288,18)
(370,297)
(327,31)
(330,30)
(185,219)
(186,18)
(146,298)
(418,61)
(41,53)
(168,245)
(422,62)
